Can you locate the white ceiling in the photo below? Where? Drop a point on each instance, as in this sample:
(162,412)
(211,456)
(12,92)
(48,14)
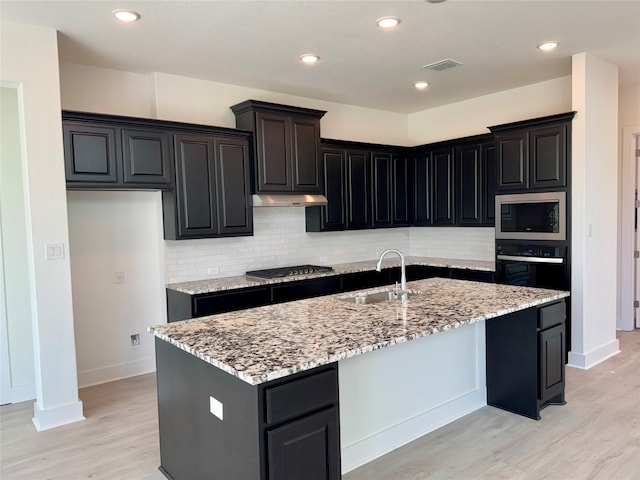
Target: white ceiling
(257,43)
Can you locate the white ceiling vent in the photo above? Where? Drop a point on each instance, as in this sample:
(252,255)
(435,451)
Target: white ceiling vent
(442,64)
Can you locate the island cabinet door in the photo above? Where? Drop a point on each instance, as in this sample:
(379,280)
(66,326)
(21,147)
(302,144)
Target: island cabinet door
(305,449)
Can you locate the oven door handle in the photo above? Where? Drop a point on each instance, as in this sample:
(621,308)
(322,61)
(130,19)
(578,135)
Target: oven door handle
(525,259)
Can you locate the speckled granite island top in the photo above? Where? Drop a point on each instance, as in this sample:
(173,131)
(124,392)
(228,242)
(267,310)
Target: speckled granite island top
(265,343)
(229,283)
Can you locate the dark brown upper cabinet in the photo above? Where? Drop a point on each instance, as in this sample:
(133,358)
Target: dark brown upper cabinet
(366,185)
(469,184)
(402,194)
(534,154)
(382,191)
(332,216)
(108,152)
(434,199)
(358,201)
(453,182)
(489,182)
(286,146)
(211,198)
(422,190)
(443,186)
(347,186)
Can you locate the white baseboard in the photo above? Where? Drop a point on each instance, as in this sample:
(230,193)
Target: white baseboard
(590,359)
(57,416)
(116,372)
(21,393)
(365,450)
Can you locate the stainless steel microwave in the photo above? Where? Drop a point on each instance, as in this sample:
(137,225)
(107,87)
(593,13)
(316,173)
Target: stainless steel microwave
(532,216)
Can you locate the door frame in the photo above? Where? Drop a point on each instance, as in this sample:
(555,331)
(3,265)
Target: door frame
(5,369)
(627,244)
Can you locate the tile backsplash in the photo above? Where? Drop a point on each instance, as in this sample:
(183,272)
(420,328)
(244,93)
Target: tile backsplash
(280,239)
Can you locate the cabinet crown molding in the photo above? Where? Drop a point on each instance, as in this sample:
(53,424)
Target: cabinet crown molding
(533,122)
(258,105)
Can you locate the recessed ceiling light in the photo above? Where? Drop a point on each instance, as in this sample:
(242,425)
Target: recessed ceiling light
(309,58)
(421,85)
(388,22)
(547,46)
(126,15)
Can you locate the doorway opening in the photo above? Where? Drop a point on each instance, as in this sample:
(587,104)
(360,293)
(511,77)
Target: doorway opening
(17,373)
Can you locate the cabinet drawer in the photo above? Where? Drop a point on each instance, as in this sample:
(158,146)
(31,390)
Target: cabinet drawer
(302,396)
(315,287)
(229,301)
(551,315)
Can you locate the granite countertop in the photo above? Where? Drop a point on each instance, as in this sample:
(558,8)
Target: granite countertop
(229,283)
(265,343)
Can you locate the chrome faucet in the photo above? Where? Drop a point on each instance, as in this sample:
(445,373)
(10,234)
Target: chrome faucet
(403,274)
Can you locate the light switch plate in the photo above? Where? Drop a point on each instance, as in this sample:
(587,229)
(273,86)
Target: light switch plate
(54,251)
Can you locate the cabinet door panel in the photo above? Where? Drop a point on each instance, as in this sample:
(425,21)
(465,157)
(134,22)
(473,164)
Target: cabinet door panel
(195,173)
(305,449)
(548,157)
(400,185)
(334,183)
(381,189)
(490,176)
(359,197)
(306,165)
(552,354)
(233,187)
(443,199)
(422,185)
(469,185)
(513,161)
(90,153)
(274,149)
(146,157)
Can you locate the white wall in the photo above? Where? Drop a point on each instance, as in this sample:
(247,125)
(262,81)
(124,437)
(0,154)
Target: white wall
(472,117)
(112,232)
(628,127)
(594,216)
(101,90)
(16,293)
(199,101)
(29,56)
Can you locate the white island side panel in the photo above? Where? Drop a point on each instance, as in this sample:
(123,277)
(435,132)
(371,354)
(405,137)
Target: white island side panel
(392,396)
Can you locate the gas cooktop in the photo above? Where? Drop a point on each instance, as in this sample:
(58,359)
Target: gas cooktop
(287,271)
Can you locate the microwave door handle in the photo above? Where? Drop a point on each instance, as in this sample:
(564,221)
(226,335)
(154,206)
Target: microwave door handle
(524,259)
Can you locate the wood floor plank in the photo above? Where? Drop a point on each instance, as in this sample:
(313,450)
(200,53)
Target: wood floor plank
(596,436)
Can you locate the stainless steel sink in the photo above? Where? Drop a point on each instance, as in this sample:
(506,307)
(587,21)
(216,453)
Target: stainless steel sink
(376,297)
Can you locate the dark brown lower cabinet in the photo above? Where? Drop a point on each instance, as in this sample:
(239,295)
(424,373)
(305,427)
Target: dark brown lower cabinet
(305,449)
(285,429)
(526,359)
(552,343)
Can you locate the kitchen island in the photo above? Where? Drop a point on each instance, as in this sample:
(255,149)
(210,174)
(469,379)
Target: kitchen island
(256,393)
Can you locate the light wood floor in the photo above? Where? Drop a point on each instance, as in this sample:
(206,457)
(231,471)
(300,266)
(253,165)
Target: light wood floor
(596,436)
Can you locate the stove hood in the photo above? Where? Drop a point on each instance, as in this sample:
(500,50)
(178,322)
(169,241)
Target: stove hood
(287,200)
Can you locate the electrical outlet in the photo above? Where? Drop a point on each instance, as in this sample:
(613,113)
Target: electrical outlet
(119,278)
(135,340)
(213,271)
